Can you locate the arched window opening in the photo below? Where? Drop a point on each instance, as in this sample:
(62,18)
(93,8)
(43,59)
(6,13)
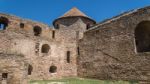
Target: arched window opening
(53,34)
(87,26)
(53,69)
(4,75)
(45,48)
(21,25)
(3,23)
(37,30)
(142,36)
(68,56)
(30,68)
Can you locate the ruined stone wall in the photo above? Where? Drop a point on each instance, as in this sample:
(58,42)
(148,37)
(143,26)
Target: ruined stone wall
(17,40)
(21,37)
(14,24)
(108,51)
(40,62)
(13,69)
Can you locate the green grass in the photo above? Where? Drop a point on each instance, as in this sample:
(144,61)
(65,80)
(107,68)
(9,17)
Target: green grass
(80,81)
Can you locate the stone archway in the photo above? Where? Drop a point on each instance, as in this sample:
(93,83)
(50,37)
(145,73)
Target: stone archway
(142,36)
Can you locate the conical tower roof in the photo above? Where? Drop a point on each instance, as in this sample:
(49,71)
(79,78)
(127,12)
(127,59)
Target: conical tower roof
(74,12)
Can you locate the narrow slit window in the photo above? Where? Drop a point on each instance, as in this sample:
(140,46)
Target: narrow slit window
(68,56)
(30,68)
(78,50)
(53,34)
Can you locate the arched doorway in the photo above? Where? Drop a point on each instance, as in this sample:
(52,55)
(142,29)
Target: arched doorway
(142,36)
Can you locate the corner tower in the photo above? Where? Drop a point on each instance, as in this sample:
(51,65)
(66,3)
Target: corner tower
(69,30)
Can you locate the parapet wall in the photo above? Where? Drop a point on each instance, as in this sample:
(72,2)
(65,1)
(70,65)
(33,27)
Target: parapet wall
(18,25)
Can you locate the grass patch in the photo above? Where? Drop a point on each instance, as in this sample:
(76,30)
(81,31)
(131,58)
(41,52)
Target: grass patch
(81,81)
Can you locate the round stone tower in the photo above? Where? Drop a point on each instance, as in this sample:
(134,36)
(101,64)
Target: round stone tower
(70,29)
(72,17)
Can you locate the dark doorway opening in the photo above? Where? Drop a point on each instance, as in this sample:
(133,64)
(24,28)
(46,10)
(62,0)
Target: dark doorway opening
(142,36)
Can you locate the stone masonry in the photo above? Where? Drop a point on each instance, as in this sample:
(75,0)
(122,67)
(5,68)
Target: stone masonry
(109,49)
(75,47)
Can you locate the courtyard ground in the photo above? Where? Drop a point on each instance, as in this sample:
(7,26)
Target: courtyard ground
(81,81)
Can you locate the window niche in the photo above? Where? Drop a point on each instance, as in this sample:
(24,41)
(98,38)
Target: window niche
(68,57)
(57,26)
(21,25)
(53,34)
(30,68)
(3,23)
(45,48)
(4,75)
(78,51)
(53,69)
(142,36)
(88,26)
(37,30)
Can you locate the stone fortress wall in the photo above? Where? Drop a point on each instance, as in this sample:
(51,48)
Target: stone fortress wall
(75,46)
(49,52)
(118,48)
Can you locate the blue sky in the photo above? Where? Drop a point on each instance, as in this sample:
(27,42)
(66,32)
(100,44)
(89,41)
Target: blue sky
(47,10)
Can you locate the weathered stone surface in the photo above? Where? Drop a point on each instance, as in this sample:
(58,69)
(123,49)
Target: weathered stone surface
(108,50)
(15,66)
(34,51)
(25,37)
